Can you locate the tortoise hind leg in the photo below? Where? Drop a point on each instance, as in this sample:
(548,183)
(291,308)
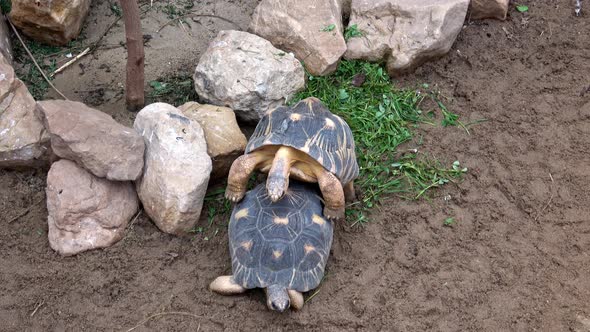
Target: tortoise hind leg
(296,299)
(333,195)
(225,285)
(239,173)
(349,193)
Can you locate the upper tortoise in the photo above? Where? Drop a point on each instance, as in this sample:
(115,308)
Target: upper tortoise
(282,247)
(307,142)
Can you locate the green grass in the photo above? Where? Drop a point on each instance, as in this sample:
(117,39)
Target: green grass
(352,32)
(46,56)
(175,90)
(27,71)
(382,118)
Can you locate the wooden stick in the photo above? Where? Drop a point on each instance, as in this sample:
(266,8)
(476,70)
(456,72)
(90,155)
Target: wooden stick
(35,61)
(135,55)
(69,63)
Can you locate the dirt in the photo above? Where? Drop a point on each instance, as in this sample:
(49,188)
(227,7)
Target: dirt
(516,259)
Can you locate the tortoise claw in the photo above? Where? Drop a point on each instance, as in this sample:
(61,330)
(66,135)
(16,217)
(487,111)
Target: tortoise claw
(234,195)
(334,214)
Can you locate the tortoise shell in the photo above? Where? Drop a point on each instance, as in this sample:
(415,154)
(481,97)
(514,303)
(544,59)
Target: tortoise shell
(310,127)
(285,243)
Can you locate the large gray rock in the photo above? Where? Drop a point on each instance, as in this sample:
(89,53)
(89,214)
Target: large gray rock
(86,212)
(309,28)
(54,22)
(246,73)
(405,33)
(23,139)
(481,9)
(93,139)
(225,140)
(177,167)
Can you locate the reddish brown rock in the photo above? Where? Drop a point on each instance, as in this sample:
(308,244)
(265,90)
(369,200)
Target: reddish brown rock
(311,29)
(93,139)
(54,22)
(481,9)
(225,140)
(86,212)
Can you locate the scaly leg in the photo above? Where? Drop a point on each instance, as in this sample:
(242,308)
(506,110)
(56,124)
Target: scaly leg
(225,285)
(333,195)
(296,299)
(239,173)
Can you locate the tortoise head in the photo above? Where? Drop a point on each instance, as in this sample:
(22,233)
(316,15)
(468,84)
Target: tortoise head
(277,298)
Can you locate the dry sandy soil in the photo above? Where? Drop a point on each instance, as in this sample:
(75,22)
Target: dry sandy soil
(516,260)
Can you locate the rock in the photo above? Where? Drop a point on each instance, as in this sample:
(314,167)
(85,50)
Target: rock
(93,139)
(225,140)
(86,212)
(405,33)
(23,139)
(481,9)
(247,74)
(54,22)
(311,29)
(177,167)
(5,45)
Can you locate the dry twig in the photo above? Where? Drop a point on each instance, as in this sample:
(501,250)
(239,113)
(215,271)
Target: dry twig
(548,202)
(25,211)
(69,63)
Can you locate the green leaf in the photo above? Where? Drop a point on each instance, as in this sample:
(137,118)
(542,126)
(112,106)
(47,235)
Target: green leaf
(329,28)
(449,222)
(522,8)
(342,94)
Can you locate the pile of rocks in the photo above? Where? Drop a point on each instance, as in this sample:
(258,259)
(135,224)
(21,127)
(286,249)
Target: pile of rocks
(101,170)
(253,71)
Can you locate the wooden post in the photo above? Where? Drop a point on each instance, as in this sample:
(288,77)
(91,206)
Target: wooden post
(135,94)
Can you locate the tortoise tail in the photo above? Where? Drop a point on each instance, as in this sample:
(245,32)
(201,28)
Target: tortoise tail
(278,176)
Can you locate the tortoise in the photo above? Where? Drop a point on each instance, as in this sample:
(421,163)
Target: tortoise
(306,142)
(282,247)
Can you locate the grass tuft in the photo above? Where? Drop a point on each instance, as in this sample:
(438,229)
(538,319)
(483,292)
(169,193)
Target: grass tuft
(175,90)
(381,118)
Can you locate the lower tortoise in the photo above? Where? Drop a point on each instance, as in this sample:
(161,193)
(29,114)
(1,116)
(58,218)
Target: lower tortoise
(282,247)
(306,142)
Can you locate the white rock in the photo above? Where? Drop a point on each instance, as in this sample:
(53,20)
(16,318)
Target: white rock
(23,140)
(86,212)
(246,73)
(177,167)
(405,33)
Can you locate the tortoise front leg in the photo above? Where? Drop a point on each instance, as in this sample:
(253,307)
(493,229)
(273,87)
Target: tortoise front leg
(333,195)
(296,299)
(226,285)
(239,173)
